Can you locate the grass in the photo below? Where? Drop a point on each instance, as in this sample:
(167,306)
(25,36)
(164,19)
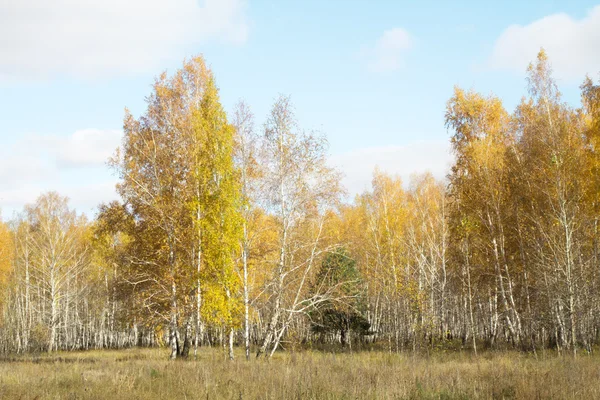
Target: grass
(147,374)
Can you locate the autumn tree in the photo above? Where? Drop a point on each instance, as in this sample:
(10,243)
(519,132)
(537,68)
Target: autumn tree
(555,167)
(482,196)
(247,143)
(219,228)
(299,189)
(181,188)
(6,258)
(59,258)
(426,239)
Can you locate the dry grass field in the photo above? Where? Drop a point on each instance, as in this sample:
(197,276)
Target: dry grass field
(147,374)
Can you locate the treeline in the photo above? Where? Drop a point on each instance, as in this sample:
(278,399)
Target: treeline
(232,234)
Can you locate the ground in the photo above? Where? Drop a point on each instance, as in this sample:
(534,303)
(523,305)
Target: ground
(148,374)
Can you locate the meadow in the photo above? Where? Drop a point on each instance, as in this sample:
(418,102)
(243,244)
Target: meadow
(148,374)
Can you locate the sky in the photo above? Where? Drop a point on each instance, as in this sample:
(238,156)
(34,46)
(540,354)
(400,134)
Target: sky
(373,76)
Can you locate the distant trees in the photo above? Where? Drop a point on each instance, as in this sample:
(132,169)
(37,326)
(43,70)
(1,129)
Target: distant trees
(6,259)
(59,257)
(399,239)
(228,233)
(50,279)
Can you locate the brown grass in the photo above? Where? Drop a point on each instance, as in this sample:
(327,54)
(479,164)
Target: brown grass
(147,374)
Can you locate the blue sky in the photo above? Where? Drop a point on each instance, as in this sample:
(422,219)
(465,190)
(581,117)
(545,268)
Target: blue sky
(373,76)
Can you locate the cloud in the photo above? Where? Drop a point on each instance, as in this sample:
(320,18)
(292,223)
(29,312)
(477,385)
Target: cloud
(84,198)
(88,197)
(90,38)
(87,147)
(417,157)
(35,164)
(572,45)
(386,54)
(15,168)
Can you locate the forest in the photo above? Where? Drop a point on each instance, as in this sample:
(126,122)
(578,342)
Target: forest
(240,237)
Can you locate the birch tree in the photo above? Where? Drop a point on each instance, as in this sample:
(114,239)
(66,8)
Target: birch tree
(59,257)
(250,174)
(299,187)
(180,187)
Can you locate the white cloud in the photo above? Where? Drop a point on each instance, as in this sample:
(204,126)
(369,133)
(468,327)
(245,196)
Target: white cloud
(87,147)
(386,54)
(572,45)
(88,197)
(416,157)
(85,198)
(90,38)
(72,165)
(18,167)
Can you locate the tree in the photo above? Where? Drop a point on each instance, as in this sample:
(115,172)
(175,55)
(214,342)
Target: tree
(220,207)
(427,242)
(180,187)
(555,167)
(479,188)
(59,258)
(246,153)
(343,313)
(6,259)
(299,188)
